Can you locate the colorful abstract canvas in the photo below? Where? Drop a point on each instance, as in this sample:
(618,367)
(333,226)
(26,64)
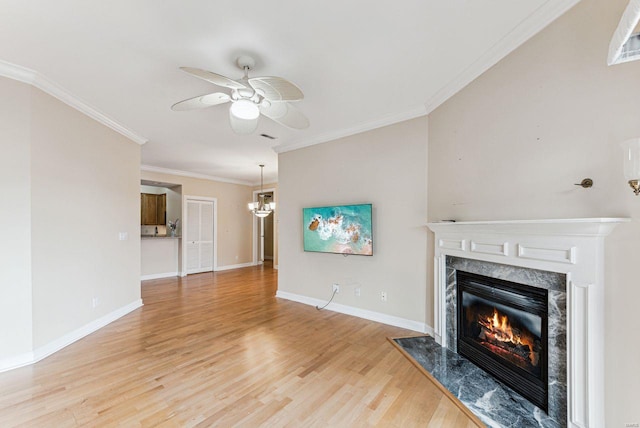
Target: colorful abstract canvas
(343,229)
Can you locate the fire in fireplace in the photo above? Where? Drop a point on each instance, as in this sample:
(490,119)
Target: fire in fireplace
(512,335)
(502,327)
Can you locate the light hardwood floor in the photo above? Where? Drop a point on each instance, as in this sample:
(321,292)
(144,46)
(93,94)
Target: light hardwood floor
(220,350)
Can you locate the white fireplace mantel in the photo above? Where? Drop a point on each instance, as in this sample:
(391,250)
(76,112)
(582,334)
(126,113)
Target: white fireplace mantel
(574,247)
(568,227)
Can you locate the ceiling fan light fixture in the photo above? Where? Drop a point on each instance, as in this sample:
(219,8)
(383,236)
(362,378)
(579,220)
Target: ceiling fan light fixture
(250,98)
(243,126)
(245,109)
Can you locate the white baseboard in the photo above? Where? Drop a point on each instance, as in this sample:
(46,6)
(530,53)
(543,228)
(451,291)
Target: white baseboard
(360,313)
(15,361)
(66,340)
(158,275)
(229,267)
(219,268)
(203,270)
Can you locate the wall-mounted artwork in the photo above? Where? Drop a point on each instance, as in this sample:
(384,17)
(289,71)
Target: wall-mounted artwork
(340,229)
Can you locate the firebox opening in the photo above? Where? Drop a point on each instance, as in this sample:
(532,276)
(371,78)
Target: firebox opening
(502,327)
(511,334)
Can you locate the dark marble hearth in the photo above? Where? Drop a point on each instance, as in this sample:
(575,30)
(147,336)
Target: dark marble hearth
(494,403)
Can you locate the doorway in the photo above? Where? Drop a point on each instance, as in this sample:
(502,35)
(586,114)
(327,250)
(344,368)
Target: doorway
(160,209)
(264,239)
(267,236)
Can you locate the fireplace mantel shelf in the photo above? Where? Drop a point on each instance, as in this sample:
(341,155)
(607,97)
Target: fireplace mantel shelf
(600,226)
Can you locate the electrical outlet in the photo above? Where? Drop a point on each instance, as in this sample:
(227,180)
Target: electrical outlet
(95,302)
(383,296)
(357,291)
(336,288)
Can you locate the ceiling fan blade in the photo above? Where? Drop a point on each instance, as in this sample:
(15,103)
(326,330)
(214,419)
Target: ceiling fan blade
(201,101)
(285,114)
(214,78)
(243,126)
(276,88)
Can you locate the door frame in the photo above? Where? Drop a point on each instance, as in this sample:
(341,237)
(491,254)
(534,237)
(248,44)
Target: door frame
(183,259)
(255,228)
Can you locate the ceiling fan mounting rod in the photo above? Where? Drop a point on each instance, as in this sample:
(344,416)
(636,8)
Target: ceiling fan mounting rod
(261,176)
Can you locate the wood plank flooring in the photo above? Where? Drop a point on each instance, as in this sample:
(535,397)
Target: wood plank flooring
(218,349)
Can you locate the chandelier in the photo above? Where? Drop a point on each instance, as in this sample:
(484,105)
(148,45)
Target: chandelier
(261,208)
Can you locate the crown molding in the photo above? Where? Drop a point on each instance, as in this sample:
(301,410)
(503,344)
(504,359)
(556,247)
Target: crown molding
(529,27)
(33,78)
(363,127)
(151,168)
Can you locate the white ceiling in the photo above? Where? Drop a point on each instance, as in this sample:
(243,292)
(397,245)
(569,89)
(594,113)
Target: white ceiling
(361,64)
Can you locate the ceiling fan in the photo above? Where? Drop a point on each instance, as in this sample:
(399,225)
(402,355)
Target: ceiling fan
(250,97)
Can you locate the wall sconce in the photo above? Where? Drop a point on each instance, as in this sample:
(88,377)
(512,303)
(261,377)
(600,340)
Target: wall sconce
(632,163)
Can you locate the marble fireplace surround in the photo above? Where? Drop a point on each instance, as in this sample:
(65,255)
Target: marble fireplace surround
(573,248)
(555,283)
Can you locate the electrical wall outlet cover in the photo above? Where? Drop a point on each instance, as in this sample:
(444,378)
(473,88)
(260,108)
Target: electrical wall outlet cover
(336,288)
(383,296)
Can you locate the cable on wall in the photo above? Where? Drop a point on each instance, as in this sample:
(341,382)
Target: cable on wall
(330,300)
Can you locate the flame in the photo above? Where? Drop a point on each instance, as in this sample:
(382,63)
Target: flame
(497,328)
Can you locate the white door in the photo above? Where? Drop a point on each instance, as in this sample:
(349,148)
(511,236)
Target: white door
(199,236)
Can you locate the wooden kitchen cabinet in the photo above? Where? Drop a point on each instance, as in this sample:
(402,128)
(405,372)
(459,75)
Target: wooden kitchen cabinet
(161,209)
(153,209)
(148,209)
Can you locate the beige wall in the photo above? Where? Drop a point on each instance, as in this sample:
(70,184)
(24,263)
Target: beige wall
(386,167)
(70,185)
(15,216)
(234,219)
(512,144)
(85,190)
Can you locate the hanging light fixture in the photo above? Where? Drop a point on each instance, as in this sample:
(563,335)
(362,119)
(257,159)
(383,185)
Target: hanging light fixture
(632,163)
(261,208)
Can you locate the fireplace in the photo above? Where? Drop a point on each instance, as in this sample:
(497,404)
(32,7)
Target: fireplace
(502,328)
(563,257)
